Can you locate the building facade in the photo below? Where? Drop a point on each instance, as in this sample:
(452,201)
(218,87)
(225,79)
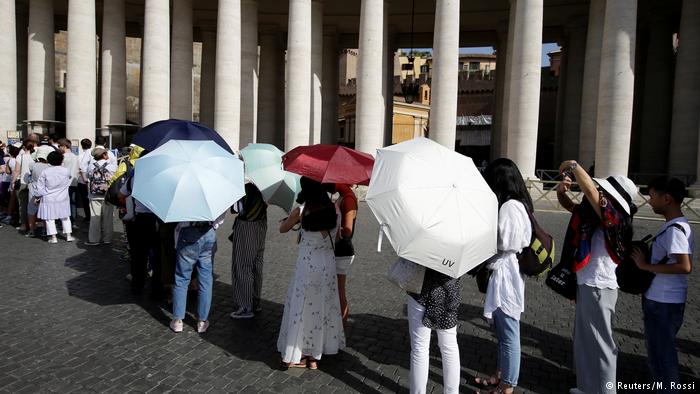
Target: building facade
(628,99)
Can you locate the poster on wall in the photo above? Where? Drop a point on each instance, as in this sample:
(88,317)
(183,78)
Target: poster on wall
(13,137)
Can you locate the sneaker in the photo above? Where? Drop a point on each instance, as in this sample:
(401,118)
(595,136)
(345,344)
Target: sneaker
(91,243)
(69,238)
(53,240)
(202,326)
(30,234)
(176,325)
(241,314)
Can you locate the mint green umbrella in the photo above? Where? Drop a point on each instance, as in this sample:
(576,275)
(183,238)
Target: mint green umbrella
(263,166)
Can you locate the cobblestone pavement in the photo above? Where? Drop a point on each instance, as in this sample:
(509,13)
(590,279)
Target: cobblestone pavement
(69,323)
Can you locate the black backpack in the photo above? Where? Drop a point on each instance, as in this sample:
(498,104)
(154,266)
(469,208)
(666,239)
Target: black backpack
(630,278)
(537,258)
(112,194)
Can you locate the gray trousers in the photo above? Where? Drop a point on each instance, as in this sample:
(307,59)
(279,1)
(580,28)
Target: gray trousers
(247,263)
(595,353)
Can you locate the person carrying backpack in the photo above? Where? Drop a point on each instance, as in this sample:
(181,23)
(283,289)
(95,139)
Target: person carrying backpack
(663,303)
(99,172)
(505,295)
(597,240)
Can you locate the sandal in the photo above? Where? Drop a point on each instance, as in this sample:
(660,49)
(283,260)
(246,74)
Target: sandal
(312,364)
(487,383)
(300,364)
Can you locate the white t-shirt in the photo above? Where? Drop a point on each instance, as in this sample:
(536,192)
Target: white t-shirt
(600,270)
(671,288)
(70,161)
(24,160)
(84,159)
(506,289)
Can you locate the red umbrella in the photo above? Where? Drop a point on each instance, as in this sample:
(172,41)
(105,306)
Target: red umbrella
(330,164)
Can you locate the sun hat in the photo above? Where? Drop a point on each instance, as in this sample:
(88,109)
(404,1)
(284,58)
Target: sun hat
(621,188)
(98,152)
(42,152)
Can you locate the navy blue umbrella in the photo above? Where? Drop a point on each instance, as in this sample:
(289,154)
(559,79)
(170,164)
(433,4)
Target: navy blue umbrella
(158,133)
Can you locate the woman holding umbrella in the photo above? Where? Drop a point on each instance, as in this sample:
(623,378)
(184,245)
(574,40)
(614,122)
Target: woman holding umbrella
(312,322)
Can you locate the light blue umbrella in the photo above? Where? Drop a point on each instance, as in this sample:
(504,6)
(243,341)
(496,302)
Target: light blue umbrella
(263,166)
(184,181)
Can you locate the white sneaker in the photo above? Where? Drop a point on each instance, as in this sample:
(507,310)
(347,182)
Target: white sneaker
(53,240)
(69,238)
(202,326)
(242,313)
(176,325)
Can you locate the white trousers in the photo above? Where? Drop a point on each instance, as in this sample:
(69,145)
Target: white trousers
(420,348)
(51,226)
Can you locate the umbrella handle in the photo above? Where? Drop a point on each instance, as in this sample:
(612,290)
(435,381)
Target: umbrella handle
(381,236)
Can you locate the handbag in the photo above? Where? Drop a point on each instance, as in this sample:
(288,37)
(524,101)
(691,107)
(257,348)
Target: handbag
(407,275)
(562,279)
(344,247)
(482,274)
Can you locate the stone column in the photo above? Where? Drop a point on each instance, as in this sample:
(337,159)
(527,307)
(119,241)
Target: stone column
(657,100)
(113,83)
(40,61)
(331,65)
(206,89)
(227,102)
(181,61)
(316,114)
(271,56)
(524,92)
(21,23)
(370,91)
(571,110)
(616,88)
(155,99)
(686,93)
(388,78)
(505,118)
(8,64)
(497,129)
(249,71)
(591,79)
(298,94)
(81,73)
(443,103)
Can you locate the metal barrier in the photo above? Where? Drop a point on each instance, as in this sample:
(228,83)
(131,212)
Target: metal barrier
(544,198)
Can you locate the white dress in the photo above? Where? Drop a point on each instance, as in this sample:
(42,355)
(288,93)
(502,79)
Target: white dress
(52,187)
(312,323)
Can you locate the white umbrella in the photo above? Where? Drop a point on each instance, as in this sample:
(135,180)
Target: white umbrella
(434,206)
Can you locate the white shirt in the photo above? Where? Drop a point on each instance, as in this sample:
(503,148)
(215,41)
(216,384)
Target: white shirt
(671,288)
(84,159)
(70,161)
(506,289)
(600,270)
(25,160)
(10,163)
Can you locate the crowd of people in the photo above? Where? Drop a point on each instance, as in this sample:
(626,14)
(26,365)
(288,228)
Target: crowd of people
(44,180)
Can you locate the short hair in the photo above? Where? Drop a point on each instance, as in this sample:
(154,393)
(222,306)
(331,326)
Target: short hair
(52,136)
(14,151)
(64,142)
(674,187)
(86,143)
(55,158)
(100,141)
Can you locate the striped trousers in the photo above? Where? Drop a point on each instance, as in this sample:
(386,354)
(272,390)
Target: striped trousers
(247,262)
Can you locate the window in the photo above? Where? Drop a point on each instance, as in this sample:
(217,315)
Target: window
(474,66)
(424,69)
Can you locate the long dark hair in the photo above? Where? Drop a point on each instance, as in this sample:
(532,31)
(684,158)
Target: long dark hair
(319,213)
(504,178)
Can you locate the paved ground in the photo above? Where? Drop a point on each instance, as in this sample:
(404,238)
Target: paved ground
(69,323)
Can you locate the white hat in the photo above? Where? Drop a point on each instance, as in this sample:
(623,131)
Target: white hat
(621,188)
(42,152)
(17,145)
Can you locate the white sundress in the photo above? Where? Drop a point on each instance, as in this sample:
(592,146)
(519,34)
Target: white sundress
(312,323)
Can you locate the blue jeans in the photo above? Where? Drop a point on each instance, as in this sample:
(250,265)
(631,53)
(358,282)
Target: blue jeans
(661,324)
(508,334)
(195,246)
